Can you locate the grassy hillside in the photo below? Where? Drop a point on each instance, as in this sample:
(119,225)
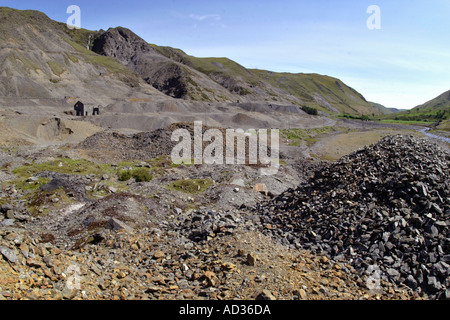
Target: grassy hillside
(435,113)
(324,93)
(382,108)
(444,125)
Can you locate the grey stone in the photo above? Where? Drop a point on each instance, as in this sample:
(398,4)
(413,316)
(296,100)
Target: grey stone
(442,268)
(411,282)
(433,284)
(68,293)
(9,254)
(389,245)
(7,223)
(118,225)
(238,182)
(388,260)
(6,207)
(434,232)
(112,189)
(265,295)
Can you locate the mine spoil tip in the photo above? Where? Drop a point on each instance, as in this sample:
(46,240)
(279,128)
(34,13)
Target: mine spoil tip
(383,205)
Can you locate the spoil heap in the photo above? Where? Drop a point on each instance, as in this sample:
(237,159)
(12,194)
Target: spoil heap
(386,205)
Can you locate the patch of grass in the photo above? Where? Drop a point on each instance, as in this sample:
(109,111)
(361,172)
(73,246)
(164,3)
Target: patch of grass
(309,136)
(140,175)
(24,185)
(244,91)
(205,97)
(81,36)
(161,162)
(64,166)
(354,117)
(38,202)
(72,57)
(128,164)
(444,125)
(225,69)
(78,47)
(173,53)
(192,82)
(191,186)
(223,98)
(110,64)
(419,123)
(56,68)
(222,66)
(155,166)
(27,63)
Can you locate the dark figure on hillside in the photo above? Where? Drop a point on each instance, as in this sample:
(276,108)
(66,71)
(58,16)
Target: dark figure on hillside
(79,108)
(96,111)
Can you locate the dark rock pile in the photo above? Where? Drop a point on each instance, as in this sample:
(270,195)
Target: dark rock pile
(201,226)
(116,146)
(386,205)
(146,145)
(139,146)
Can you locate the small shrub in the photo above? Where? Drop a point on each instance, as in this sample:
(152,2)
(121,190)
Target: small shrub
(310,110)
(125,175)
(142,175)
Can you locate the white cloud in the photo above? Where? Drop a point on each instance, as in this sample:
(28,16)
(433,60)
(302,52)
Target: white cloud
(212,20)
(215,17)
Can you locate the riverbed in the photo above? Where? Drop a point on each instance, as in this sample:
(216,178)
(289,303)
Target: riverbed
(426,131)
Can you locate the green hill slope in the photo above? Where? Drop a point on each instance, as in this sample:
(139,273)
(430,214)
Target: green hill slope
(435,112)
(325,93)
(322,92)
(383,109)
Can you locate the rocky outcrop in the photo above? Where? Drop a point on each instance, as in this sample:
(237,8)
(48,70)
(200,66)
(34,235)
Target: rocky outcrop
(171,80)
(126,47)
(135,53)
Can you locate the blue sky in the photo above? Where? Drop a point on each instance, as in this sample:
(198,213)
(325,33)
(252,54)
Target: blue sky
(401,65)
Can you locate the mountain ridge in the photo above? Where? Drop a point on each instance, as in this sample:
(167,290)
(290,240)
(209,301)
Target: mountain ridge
(45,59)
